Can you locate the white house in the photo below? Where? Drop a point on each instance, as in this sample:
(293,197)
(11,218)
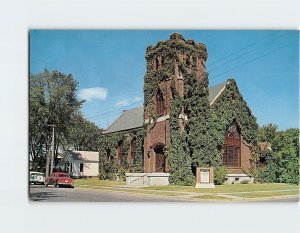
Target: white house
(83,163)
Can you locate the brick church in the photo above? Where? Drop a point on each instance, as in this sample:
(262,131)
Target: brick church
(166,71)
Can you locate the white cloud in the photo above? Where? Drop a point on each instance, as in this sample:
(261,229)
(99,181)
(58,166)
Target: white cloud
(89,94)
(126,102)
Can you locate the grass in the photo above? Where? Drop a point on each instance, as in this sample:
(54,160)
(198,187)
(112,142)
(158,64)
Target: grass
(212,197)
(228,188)
(238,190)
(266,194)
(97,182)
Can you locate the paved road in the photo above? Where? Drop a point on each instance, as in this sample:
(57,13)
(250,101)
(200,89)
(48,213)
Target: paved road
(52,194)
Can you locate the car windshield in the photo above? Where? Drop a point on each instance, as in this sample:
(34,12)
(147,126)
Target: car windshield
(63,175)
(36,174)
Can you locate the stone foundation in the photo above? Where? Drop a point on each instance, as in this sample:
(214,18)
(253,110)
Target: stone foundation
(238,178)
(147,179)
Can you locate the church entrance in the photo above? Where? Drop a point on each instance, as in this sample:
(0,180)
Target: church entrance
(160,159)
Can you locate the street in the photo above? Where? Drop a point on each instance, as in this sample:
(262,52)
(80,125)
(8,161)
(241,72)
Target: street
(52,194)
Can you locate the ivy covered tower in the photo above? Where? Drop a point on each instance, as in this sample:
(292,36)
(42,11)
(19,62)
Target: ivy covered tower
(173,66)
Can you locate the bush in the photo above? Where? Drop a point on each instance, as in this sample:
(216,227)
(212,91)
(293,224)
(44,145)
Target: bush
(121,173)
(244,182)
(267,174)
(107,169)
(219,175)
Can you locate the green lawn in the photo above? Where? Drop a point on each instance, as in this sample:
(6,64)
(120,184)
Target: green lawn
(97,182)
(266,194)
(228,188)
(238,190)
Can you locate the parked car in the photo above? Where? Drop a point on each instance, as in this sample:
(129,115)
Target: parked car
(60,179)
(36,177)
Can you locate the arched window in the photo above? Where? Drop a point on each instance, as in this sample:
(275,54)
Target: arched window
(156,64)
(188,63)
(120,153)
(133,152)
(232,147)
(159,103)
(162,61)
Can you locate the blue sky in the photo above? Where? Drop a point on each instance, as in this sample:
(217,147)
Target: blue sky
(110,66)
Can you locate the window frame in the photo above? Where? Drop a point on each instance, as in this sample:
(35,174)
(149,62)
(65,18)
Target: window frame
(232,144)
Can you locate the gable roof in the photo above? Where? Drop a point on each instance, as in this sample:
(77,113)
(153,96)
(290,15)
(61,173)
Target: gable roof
(215,91)
(87,156)
(129,119)
(134,118)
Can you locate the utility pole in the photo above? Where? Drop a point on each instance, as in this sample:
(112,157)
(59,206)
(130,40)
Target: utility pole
(47,162)
(52,155)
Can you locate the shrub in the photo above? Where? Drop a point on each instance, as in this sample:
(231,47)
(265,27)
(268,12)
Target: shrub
(121,173)
(107,169)
(244,182)
(219,175)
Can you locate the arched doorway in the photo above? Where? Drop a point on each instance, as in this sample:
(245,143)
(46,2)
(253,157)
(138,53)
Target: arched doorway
(232,147)
(160,159)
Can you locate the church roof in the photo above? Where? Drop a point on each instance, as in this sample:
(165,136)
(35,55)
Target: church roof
(129,119)
(134,118)
(215,91)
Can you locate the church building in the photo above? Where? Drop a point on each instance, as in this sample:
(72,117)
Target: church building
(141,138)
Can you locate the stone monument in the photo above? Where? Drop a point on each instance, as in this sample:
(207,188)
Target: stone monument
(205,177)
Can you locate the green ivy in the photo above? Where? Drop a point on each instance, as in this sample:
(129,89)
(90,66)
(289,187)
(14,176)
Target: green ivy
(228,108)
(179,158)
(109,143)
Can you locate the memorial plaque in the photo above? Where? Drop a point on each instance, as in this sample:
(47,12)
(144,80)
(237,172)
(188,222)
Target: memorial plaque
(204,176)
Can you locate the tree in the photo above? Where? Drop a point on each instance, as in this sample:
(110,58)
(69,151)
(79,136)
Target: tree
(286,148)
(267,133)
(83,134)
(52,100)
(282,163)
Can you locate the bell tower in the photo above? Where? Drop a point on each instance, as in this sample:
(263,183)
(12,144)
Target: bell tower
(167,63)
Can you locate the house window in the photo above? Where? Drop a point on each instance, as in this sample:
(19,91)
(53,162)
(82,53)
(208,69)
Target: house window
(159,103)
(232,147)
(81,167)
(133,152)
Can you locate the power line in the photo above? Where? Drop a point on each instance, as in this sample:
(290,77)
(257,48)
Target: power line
(98,112)
(241,49)
(104,113)
(248,62)
(247,53)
